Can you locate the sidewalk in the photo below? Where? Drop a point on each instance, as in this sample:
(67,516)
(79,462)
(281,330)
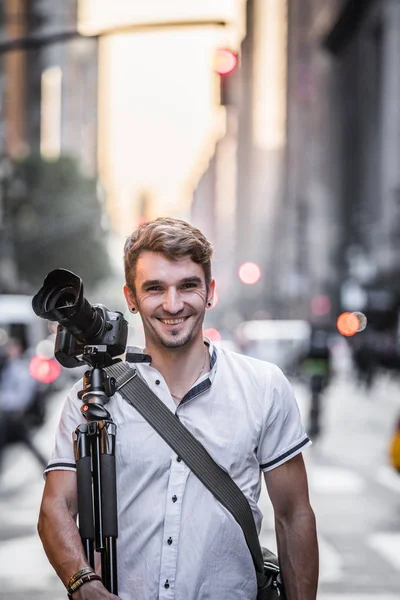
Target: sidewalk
(25,572)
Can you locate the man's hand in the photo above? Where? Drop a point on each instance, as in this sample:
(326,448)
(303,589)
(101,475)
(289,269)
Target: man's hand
(93,590)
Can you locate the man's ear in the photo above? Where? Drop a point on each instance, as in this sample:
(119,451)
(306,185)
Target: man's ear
(210,293)
(129,297)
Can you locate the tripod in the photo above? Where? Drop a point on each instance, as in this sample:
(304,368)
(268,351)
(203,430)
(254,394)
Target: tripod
(94,447)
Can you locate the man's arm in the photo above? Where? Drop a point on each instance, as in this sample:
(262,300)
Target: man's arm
(295,528)
(60,535)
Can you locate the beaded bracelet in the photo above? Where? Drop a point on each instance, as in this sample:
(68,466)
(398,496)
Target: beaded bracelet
(92,576)
(79,574)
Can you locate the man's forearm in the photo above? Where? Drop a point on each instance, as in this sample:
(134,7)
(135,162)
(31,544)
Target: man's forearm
(298,555)
(61,540)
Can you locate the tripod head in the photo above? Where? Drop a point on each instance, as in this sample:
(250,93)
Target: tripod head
(98,387)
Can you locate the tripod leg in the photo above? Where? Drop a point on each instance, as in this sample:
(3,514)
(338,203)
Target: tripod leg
(85,494)
(109,502)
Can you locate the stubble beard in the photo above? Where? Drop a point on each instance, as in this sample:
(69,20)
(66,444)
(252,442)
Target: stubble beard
(176,339)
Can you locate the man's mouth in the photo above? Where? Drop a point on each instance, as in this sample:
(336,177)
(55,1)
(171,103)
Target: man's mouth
(173,321)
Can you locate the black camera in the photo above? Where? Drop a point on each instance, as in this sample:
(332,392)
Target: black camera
(80,323)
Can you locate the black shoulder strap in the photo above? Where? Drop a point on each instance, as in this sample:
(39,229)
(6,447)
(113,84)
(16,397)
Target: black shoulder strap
(136,391)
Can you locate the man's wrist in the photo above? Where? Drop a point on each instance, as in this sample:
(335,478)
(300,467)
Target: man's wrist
(80,578)
(88,590)
(86,569)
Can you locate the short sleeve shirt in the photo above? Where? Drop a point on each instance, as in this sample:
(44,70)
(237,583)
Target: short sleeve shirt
(176,541)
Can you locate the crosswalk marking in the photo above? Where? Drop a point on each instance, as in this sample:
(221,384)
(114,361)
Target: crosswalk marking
(389,478)
(388,545)
(331,563)
(32,562)
(334,480)
(356,597)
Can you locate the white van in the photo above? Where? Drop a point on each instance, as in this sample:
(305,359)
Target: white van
(279,341)
(17,319)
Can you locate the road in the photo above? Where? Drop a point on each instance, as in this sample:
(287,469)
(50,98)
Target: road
(355,495)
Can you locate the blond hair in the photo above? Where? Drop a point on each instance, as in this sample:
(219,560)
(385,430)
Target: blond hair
(174,239)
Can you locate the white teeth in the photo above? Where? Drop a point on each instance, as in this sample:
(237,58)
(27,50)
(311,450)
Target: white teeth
(172,321)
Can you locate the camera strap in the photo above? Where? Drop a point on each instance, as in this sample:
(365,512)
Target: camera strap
(137,392)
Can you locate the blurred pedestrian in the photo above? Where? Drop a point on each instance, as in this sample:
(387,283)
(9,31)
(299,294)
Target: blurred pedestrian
(366,352)
(18,392)
(316,368)
(176,541)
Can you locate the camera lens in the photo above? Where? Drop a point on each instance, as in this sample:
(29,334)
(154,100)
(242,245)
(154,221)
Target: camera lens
(60,298)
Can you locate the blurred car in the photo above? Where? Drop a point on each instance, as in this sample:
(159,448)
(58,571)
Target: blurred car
(17,320)
(281,341)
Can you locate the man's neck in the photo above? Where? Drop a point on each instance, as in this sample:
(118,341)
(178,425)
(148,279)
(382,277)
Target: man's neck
(180,367)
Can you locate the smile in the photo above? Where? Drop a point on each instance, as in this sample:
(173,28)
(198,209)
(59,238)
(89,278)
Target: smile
(173,321)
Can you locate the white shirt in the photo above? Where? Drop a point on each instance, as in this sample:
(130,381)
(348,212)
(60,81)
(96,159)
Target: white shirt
(176,541)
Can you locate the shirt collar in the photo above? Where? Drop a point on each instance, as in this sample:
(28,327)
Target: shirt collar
(207,379)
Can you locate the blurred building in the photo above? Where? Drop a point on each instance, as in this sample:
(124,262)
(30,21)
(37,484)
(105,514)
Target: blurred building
(245,181)
(363,40)
(49,82)
(309,182)
(48,99)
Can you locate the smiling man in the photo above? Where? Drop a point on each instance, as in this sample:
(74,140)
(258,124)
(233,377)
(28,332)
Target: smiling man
(176,542)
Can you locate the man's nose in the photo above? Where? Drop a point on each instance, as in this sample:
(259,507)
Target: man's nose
(173,302)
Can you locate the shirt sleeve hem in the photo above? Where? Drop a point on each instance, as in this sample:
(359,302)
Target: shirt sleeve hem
(59,466)
(287,455)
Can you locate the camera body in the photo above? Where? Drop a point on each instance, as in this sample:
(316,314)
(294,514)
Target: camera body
(68,348)
(80,323)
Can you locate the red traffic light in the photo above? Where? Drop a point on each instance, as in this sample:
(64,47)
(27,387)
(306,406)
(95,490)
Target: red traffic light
(225,61)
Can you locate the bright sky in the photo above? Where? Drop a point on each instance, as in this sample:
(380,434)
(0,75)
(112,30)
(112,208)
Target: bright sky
(158,112)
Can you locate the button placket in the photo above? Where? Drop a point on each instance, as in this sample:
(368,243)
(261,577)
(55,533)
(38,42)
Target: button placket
(176,486)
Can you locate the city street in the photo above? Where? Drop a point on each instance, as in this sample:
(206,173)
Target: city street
(355,494)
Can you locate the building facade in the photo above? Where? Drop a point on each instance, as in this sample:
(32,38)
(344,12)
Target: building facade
(48,100)
(317,207)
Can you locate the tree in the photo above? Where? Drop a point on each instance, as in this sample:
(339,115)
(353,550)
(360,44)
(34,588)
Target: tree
(57,221)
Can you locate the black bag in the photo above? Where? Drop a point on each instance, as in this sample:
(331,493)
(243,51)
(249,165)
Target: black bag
(136,391)
(272,588)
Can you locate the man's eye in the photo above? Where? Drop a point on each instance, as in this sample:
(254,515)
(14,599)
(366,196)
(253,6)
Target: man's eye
(154,288)
(188,286)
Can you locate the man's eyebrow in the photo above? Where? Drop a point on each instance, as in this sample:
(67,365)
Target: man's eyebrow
(193,279)
(150,282)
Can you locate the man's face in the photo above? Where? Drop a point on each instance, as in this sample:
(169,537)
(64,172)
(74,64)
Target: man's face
(171,297)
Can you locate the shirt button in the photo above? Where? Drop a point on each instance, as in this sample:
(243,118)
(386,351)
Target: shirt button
(174,498)
(169,541)
(158,382)
(166,584)
(179,459)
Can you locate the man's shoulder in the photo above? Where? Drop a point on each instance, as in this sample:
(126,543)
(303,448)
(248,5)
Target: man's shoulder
(256,366)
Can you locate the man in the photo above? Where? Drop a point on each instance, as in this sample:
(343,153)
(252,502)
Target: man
(175,540)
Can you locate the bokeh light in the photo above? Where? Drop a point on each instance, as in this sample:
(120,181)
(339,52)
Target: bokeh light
(45,370)
(362,321)
(348,324)
(225,61)
(249,273)
(213,334)
(320,305)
